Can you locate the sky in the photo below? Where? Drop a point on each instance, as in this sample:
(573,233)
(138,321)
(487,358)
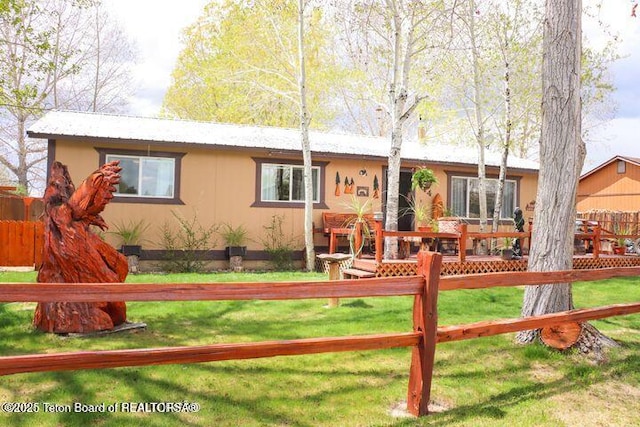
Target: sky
(156,27)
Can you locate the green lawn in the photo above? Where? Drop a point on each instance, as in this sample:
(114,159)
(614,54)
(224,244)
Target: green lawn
(482,382)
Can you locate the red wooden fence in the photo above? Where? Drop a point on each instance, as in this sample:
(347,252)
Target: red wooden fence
(21,243)
(423,338)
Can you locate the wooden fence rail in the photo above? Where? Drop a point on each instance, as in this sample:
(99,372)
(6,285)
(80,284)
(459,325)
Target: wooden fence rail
(423,338)
(92,292)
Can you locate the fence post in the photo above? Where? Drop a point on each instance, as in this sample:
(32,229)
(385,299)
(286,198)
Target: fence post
(378,227)
(425,321)
(596,241)
(462,244)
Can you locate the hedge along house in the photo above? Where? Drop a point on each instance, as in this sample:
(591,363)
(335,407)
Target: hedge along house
(247,175)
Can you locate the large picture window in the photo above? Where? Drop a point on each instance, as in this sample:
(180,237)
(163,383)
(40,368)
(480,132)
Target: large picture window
(285,183)
(280,183)
(465,198)
(149,177)
(145,176)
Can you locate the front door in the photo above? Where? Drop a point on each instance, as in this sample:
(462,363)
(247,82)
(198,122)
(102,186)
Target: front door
(405,216)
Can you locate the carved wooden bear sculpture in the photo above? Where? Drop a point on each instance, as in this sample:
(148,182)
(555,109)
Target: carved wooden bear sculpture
(75,254)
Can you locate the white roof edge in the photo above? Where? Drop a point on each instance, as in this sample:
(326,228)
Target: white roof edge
(161,130)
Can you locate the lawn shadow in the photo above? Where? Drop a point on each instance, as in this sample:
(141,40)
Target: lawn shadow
(497,406)
(358,303)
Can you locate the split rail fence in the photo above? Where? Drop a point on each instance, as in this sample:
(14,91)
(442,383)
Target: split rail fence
(422,339)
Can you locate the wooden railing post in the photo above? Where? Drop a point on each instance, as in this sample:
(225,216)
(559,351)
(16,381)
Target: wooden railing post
(378,229)
(596,241)
(462,244)
(425,321)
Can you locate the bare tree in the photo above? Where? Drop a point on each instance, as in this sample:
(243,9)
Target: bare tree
(386,40)
(46,46)
(562,154)
(105,60)
(515,33)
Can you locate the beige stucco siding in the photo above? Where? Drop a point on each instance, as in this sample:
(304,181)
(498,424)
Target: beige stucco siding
(219,186)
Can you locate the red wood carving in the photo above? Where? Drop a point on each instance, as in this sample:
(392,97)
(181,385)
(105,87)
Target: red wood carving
(73,253)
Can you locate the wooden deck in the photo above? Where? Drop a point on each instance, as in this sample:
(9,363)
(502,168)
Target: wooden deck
(475,264)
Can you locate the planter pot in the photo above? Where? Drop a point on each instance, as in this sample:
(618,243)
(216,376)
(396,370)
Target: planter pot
(507,254)
(128,250)
(425,228)
(231,251)
(619,250)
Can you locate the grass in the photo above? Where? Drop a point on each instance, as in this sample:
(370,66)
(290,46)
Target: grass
(483,382)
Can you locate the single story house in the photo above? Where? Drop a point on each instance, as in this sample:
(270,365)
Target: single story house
(613,186)
(244,175)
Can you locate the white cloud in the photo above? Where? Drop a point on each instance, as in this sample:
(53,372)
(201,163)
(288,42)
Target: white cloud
(619,137)
(156,26)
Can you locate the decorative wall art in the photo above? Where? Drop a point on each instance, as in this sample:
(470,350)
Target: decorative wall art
(376,187)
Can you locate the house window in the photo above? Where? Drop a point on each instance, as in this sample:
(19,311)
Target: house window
(465,198)
(281,183)
(285,183)
(622,166)
(146,177)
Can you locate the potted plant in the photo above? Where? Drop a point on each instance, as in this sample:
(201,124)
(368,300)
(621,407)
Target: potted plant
(235,239)
(359,222)
(506,249)
(621,242)
(423,178)
(421,212)
(130,236)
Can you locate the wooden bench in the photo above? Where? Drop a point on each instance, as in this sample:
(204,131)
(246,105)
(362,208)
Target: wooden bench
(336,224)
(354,273)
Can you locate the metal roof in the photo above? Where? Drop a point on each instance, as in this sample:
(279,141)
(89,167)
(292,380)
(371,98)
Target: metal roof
(129,129)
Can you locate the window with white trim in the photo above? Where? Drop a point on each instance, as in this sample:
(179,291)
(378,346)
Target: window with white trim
(285,183)
(465,198)
(145,176)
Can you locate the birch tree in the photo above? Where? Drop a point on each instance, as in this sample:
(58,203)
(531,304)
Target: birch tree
(562,154)
(386,41)
(515,31)
(228,74)
(306,145)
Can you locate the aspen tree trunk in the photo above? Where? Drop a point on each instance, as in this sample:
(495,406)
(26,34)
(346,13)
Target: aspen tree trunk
(403,37)
(397,100)
(306,147)
(478,102)
(562,153)
(507,139)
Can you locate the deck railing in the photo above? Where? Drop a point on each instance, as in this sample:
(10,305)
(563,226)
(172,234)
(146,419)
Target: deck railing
(461,237)
(423,338)
(586,231)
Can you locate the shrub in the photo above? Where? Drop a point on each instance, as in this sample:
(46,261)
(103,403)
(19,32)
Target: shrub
(278,246)
(186,244)
(234,236)
(130,233)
